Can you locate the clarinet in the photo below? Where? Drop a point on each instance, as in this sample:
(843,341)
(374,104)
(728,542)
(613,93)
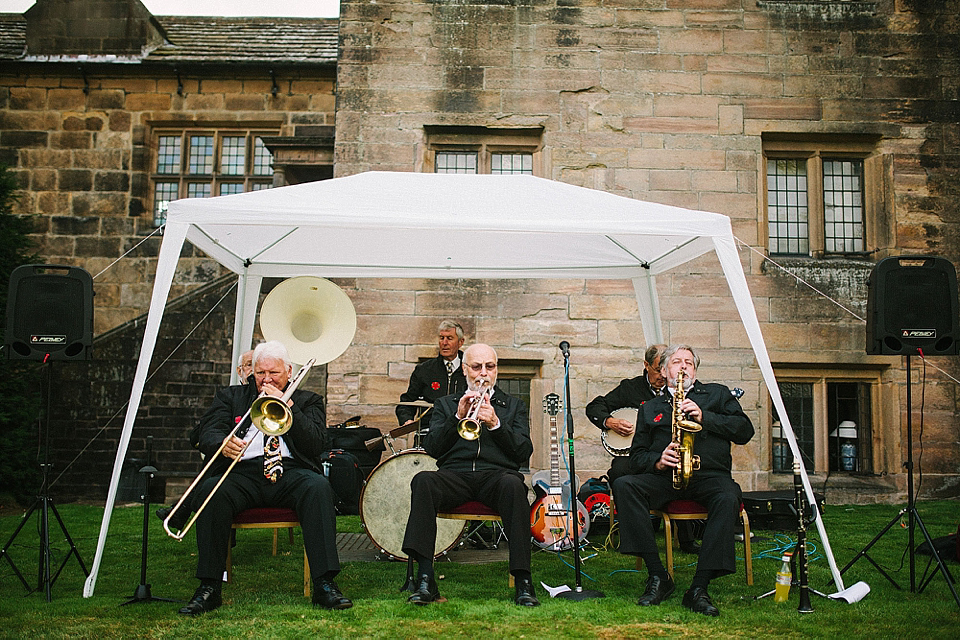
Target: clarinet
(801,555)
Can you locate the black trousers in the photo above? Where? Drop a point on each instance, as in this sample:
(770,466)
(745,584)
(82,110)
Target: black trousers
(619,467)
(305,491)
(635,495)
(433,492)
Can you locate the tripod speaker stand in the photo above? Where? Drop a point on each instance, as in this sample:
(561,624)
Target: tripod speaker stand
(44,505)
(913,518)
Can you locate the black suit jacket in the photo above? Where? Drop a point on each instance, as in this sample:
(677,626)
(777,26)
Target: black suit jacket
(306,439)
(508,447)
(429,381)
(631,392)
(724,422)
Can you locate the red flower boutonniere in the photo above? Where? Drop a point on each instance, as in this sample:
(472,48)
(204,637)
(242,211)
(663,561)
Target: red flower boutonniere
(435,386)
(237,419)
(658,418)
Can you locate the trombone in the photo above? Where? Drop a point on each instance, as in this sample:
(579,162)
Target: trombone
(271,416)
(469,426)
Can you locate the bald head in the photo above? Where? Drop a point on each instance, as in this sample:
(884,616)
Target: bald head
(480,366)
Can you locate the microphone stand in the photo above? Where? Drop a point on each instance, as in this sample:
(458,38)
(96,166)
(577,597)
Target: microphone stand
(578,594)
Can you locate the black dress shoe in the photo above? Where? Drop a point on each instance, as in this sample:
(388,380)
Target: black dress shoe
(525,596)
(657,590)
(698,600)
(204,599)
(179,519)
(327,594)
(426,592)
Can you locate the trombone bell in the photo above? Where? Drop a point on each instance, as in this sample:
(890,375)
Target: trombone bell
(271,416)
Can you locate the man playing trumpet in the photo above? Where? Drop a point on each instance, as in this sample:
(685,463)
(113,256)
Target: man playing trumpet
(290,477)
(654,457)
(480,440)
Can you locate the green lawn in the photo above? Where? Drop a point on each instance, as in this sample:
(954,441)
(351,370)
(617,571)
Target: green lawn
(266,598)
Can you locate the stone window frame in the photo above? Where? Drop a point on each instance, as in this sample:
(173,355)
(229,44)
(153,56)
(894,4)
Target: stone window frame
(248,180)
(871,435)
(484,141)
(814,149)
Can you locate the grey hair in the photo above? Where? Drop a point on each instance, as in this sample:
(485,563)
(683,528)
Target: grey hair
(446,325)
(672,349)
(653,352)
(272,349)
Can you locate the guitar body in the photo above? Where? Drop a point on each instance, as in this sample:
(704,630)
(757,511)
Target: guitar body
(551,521)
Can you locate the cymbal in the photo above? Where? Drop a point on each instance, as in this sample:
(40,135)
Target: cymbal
(415,403)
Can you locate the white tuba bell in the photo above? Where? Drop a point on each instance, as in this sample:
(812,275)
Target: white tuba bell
(311,316)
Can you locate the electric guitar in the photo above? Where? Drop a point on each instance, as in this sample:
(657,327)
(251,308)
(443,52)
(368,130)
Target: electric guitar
(550,520)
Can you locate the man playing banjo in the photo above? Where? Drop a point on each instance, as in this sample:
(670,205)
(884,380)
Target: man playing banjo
(616,412)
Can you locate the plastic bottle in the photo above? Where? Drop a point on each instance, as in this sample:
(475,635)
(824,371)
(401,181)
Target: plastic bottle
(784,578)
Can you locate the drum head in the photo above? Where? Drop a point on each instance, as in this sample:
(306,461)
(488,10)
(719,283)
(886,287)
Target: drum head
(385,505)
(613,442)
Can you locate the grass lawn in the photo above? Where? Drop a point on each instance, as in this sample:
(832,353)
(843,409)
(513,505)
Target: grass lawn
(266,600)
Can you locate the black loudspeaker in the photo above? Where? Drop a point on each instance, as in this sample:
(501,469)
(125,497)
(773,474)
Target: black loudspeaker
(49,313)
(911,306)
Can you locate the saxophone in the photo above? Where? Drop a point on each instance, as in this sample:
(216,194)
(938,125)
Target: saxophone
(683,432)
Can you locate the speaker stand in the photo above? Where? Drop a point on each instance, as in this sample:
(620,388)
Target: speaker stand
(913,518)
(44,504)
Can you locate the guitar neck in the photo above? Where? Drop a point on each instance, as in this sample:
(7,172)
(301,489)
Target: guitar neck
(555,484)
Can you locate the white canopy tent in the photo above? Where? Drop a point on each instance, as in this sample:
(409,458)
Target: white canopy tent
(384,224)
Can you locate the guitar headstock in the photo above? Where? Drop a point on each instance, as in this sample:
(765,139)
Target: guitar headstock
(551,404)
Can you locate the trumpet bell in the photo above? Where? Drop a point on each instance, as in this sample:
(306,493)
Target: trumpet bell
(469,429)
(311,316)
(271,416)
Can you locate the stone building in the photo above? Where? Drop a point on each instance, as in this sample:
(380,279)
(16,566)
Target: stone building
(827,131)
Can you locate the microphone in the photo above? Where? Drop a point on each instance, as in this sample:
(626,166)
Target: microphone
(565,349)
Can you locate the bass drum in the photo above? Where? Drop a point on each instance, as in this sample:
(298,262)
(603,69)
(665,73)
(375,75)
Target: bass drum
(385,505)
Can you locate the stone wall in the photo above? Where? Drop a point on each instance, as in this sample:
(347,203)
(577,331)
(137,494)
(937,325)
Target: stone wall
(670,102)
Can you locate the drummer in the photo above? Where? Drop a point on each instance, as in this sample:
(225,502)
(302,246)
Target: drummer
(485,468)
(436,377)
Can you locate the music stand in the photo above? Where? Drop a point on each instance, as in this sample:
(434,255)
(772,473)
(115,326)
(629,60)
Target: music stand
(912,519)
(578,593)
(142,593)
(44,504)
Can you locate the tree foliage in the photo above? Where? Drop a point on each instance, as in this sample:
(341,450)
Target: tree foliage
(20,384)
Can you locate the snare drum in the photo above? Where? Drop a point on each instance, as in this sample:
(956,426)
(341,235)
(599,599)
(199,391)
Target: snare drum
(613,442)
(385,505)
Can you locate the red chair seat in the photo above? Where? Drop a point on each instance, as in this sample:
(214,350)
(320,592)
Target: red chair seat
(259,515)
(683,507)
(473,508)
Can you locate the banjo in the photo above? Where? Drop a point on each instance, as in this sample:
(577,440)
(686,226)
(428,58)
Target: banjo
(618,445)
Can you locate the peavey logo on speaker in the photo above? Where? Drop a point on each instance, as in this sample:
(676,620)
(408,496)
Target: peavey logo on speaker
(918,333)
(47,340)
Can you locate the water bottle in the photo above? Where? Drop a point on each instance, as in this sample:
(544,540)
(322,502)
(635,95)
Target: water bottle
(784,578)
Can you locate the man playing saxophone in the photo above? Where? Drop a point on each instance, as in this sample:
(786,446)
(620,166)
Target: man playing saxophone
(654,457)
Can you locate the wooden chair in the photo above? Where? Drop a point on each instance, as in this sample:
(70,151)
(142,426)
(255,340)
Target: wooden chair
(275,518)
(692,510)
(475,510)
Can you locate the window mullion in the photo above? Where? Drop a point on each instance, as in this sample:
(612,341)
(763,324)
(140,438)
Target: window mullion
(821,430)
(815,211)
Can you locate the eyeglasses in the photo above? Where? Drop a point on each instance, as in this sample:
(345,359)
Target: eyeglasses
(477,368)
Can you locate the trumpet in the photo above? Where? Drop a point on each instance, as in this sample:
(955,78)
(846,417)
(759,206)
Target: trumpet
(469,426)
(271,416)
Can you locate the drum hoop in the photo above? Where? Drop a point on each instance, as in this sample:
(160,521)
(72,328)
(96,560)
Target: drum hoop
(443,524)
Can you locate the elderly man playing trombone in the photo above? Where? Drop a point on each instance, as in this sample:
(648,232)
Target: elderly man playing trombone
(480,440)
(272,470)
